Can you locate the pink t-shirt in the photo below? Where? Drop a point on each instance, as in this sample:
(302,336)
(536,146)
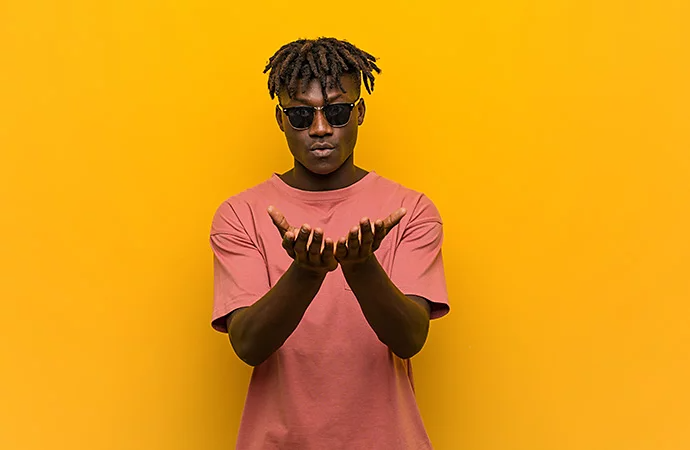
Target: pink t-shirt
(333,384)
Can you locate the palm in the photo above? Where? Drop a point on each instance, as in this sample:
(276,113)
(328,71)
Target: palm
(308,250)
(355,249)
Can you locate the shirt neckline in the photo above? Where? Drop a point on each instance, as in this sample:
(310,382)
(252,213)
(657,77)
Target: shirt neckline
(333,194)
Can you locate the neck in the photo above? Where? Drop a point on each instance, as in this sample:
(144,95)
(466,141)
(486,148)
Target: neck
(300,177)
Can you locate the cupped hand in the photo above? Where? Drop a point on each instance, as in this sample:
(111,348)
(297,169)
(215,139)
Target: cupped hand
(317,255)
(353,249)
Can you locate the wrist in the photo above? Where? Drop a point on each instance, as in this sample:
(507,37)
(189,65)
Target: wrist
(305,272)
(365,264)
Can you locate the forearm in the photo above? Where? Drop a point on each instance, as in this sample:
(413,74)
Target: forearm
(399,322)
(259,330)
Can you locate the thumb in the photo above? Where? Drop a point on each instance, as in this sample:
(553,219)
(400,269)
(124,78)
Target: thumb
(278,220)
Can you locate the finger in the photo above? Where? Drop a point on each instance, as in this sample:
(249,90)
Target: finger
(315,246)
(341,249)
(353,241)
(301,241)
(289,243)
(327,256)
(387,224)
(394,219)
(367,234)
(279,220)
(379,234)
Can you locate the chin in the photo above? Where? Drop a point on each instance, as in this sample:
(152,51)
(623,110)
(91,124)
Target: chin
(324,169)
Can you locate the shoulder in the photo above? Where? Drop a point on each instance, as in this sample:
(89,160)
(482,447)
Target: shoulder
(419,206)
(239,209)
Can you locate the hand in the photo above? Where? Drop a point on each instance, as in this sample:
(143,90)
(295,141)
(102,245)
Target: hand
(295,244)
(359,251)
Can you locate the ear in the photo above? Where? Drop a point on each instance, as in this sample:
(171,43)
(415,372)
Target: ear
(361,110)
(279,118)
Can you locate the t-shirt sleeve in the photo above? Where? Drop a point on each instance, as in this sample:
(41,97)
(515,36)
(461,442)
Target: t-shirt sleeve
(240,276)
(418,263)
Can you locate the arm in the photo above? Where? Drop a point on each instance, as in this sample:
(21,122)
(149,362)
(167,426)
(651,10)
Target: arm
(401,322)
(259,330)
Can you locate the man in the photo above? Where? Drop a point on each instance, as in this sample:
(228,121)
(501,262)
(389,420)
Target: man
(329,325)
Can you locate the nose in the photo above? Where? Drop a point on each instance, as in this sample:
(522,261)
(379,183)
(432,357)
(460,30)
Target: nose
(320,126)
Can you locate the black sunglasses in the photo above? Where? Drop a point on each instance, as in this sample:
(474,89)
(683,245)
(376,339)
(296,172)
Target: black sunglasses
(301,117)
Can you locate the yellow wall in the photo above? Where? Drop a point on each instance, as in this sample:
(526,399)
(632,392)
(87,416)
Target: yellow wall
(552,135)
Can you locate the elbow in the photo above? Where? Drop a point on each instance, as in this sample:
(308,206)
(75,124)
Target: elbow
(410,349)
(405,354)
(239,341)
(242,346)
(251,362)
(415,337)
(245,353)
(414,344)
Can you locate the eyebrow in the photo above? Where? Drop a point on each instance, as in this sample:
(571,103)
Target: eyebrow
(330,99)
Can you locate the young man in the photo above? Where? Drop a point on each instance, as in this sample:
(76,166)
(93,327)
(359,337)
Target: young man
(329,313)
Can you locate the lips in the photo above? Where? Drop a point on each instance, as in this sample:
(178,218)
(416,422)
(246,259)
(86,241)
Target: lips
(324,152)
(321,147)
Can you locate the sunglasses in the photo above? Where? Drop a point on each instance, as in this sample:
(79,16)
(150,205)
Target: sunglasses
(301,117)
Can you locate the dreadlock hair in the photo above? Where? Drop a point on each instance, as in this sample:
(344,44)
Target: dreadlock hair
(306,59)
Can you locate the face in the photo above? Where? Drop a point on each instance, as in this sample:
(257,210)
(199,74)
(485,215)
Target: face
(304,144)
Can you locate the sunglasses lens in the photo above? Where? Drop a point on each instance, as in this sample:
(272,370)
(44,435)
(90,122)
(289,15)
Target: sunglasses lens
(338,114)
(300,117)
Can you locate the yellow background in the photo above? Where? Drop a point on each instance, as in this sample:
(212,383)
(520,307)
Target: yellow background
(552,135)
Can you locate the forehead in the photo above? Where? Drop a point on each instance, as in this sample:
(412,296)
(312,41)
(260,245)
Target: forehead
(314,96)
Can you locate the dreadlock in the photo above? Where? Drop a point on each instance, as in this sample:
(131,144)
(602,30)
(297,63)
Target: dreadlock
(307,59)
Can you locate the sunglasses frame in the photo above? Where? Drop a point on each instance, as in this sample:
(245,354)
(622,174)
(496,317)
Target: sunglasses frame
(319,108)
